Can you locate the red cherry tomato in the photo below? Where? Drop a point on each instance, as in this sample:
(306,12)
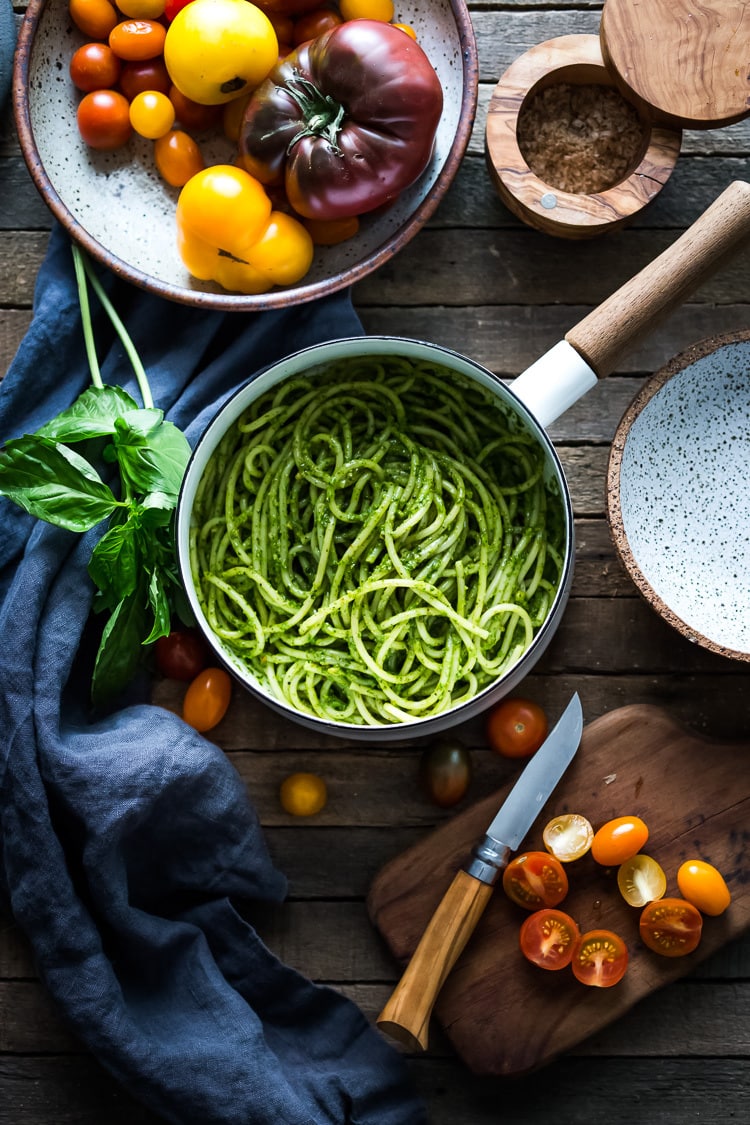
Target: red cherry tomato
(193,115)
(548,938)
(312,24)
(618,840)
(207,699)
(516,728)
(141,75)
(137,39)
(103,118)
(94,66)
(600,959)
(671,926)
(172,7)
(181,655)
(535,879)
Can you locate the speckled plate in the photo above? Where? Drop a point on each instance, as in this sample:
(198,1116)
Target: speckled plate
(679,493)
(118,208)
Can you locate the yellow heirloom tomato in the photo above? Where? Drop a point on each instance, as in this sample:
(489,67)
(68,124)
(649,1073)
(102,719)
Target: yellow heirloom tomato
(227,232)
(215,50)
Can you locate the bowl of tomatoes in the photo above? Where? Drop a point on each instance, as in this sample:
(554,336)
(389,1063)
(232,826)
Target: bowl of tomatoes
(115,120)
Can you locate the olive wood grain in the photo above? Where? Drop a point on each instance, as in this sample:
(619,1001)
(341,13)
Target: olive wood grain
(406,1016)
(618,324)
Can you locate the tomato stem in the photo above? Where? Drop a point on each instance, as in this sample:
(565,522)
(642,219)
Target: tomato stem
(323,116)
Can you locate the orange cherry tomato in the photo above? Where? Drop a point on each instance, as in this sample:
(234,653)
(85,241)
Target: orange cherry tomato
(103,118)
(618,840)
(407,29)
(367,9)
(600,959)
(329,232)
(568,836)
(140,75)
(95,18)
(671,927)
(548,938)
(194,115)
(312,24)
(151,114)
(703,885)
(94,66)
(137,39)
(516,728)
(207,699)
(303,794)
(535,879)
(177,157)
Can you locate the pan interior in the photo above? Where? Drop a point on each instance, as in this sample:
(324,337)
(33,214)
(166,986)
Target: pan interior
(685,499)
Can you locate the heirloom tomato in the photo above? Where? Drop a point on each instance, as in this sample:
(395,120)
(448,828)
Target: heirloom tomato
(94,66)
(103,118)
(600,959)
(618,840)
(568,836)
(671,926)
(303,794)
(445,772)
(640,880)
(535,879)
(548,937)
(207,699)
(703,885)
(516,728)
(217,49)
(345,122)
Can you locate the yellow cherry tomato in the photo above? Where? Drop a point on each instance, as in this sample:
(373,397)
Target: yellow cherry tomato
(142,9)
(151,114)
(367,9)
(216,50)
(703,885)
(618,840)
(303,794)
(568,836)
(641,880)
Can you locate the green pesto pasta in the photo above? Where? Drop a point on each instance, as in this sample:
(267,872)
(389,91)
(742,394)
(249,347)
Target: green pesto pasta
(377,543)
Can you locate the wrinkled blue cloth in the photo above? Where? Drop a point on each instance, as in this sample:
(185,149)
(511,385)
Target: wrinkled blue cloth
(126,842)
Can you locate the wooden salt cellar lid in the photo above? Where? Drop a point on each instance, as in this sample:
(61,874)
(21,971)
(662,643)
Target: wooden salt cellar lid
(684,64)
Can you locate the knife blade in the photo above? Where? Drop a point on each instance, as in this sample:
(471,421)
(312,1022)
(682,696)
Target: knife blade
(406,1015)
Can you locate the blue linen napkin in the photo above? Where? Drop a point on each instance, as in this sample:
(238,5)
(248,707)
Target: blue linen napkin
(125,842)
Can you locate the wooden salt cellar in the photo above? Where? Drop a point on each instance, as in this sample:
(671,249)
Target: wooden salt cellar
(680,66)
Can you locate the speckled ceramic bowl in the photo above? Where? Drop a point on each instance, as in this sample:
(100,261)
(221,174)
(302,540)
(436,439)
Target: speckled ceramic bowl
(678,493)
(118,208)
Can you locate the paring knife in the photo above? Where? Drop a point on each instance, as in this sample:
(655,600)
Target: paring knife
(406,1016)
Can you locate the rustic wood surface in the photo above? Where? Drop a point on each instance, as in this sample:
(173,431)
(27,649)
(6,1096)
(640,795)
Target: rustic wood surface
(481,282)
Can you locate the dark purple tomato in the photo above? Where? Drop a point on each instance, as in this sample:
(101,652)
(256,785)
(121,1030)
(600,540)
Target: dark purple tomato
(181,655)
(445,772)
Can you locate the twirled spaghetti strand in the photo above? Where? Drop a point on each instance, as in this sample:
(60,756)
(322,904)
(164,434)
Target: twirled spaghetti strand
(377,543)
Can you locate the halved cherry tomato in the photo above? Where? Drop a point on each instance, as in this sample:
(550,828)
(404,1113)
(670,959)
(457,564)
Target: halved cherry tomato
(303,794)
(140,75)
(641,879)
(151,114)
(94,66)
(181,655)
(516,728)
(618,840)
(568,836)
(177,157)
(207,699)
(535,879)
(103,118)
(600,958)
(703,885)
(548,938)
(137,39)
(445,772)
(671,926)
(94,18)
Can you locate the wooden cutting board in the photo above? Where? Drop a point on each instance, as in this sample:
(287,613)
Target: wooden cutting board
(505,1016)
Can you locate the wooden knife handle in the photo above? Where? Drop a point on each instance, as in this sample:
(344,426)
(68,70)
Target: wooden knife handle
(615,327)
(406,1016)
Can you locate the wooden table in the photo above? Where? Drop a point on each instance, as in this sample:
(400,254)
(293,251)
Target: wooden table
(481,282)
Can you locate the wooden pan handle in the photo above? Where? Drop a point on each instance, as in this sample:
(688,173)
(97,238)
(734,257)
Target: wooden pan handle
(615,326)
(406,1016)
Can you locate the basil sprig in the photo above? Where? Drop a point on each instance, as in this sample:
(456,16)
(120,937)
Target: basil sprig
(133,565)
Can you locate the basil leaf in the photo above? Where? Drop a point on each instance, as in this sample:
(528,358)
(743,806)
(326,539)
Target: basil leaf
(152,453)
(93,414)
(113,565)
(54,483)
(120,647)
(158,600)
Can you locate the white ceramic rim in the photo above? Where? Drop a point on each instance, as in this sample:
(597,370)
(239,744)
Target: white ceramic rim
(314,358)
